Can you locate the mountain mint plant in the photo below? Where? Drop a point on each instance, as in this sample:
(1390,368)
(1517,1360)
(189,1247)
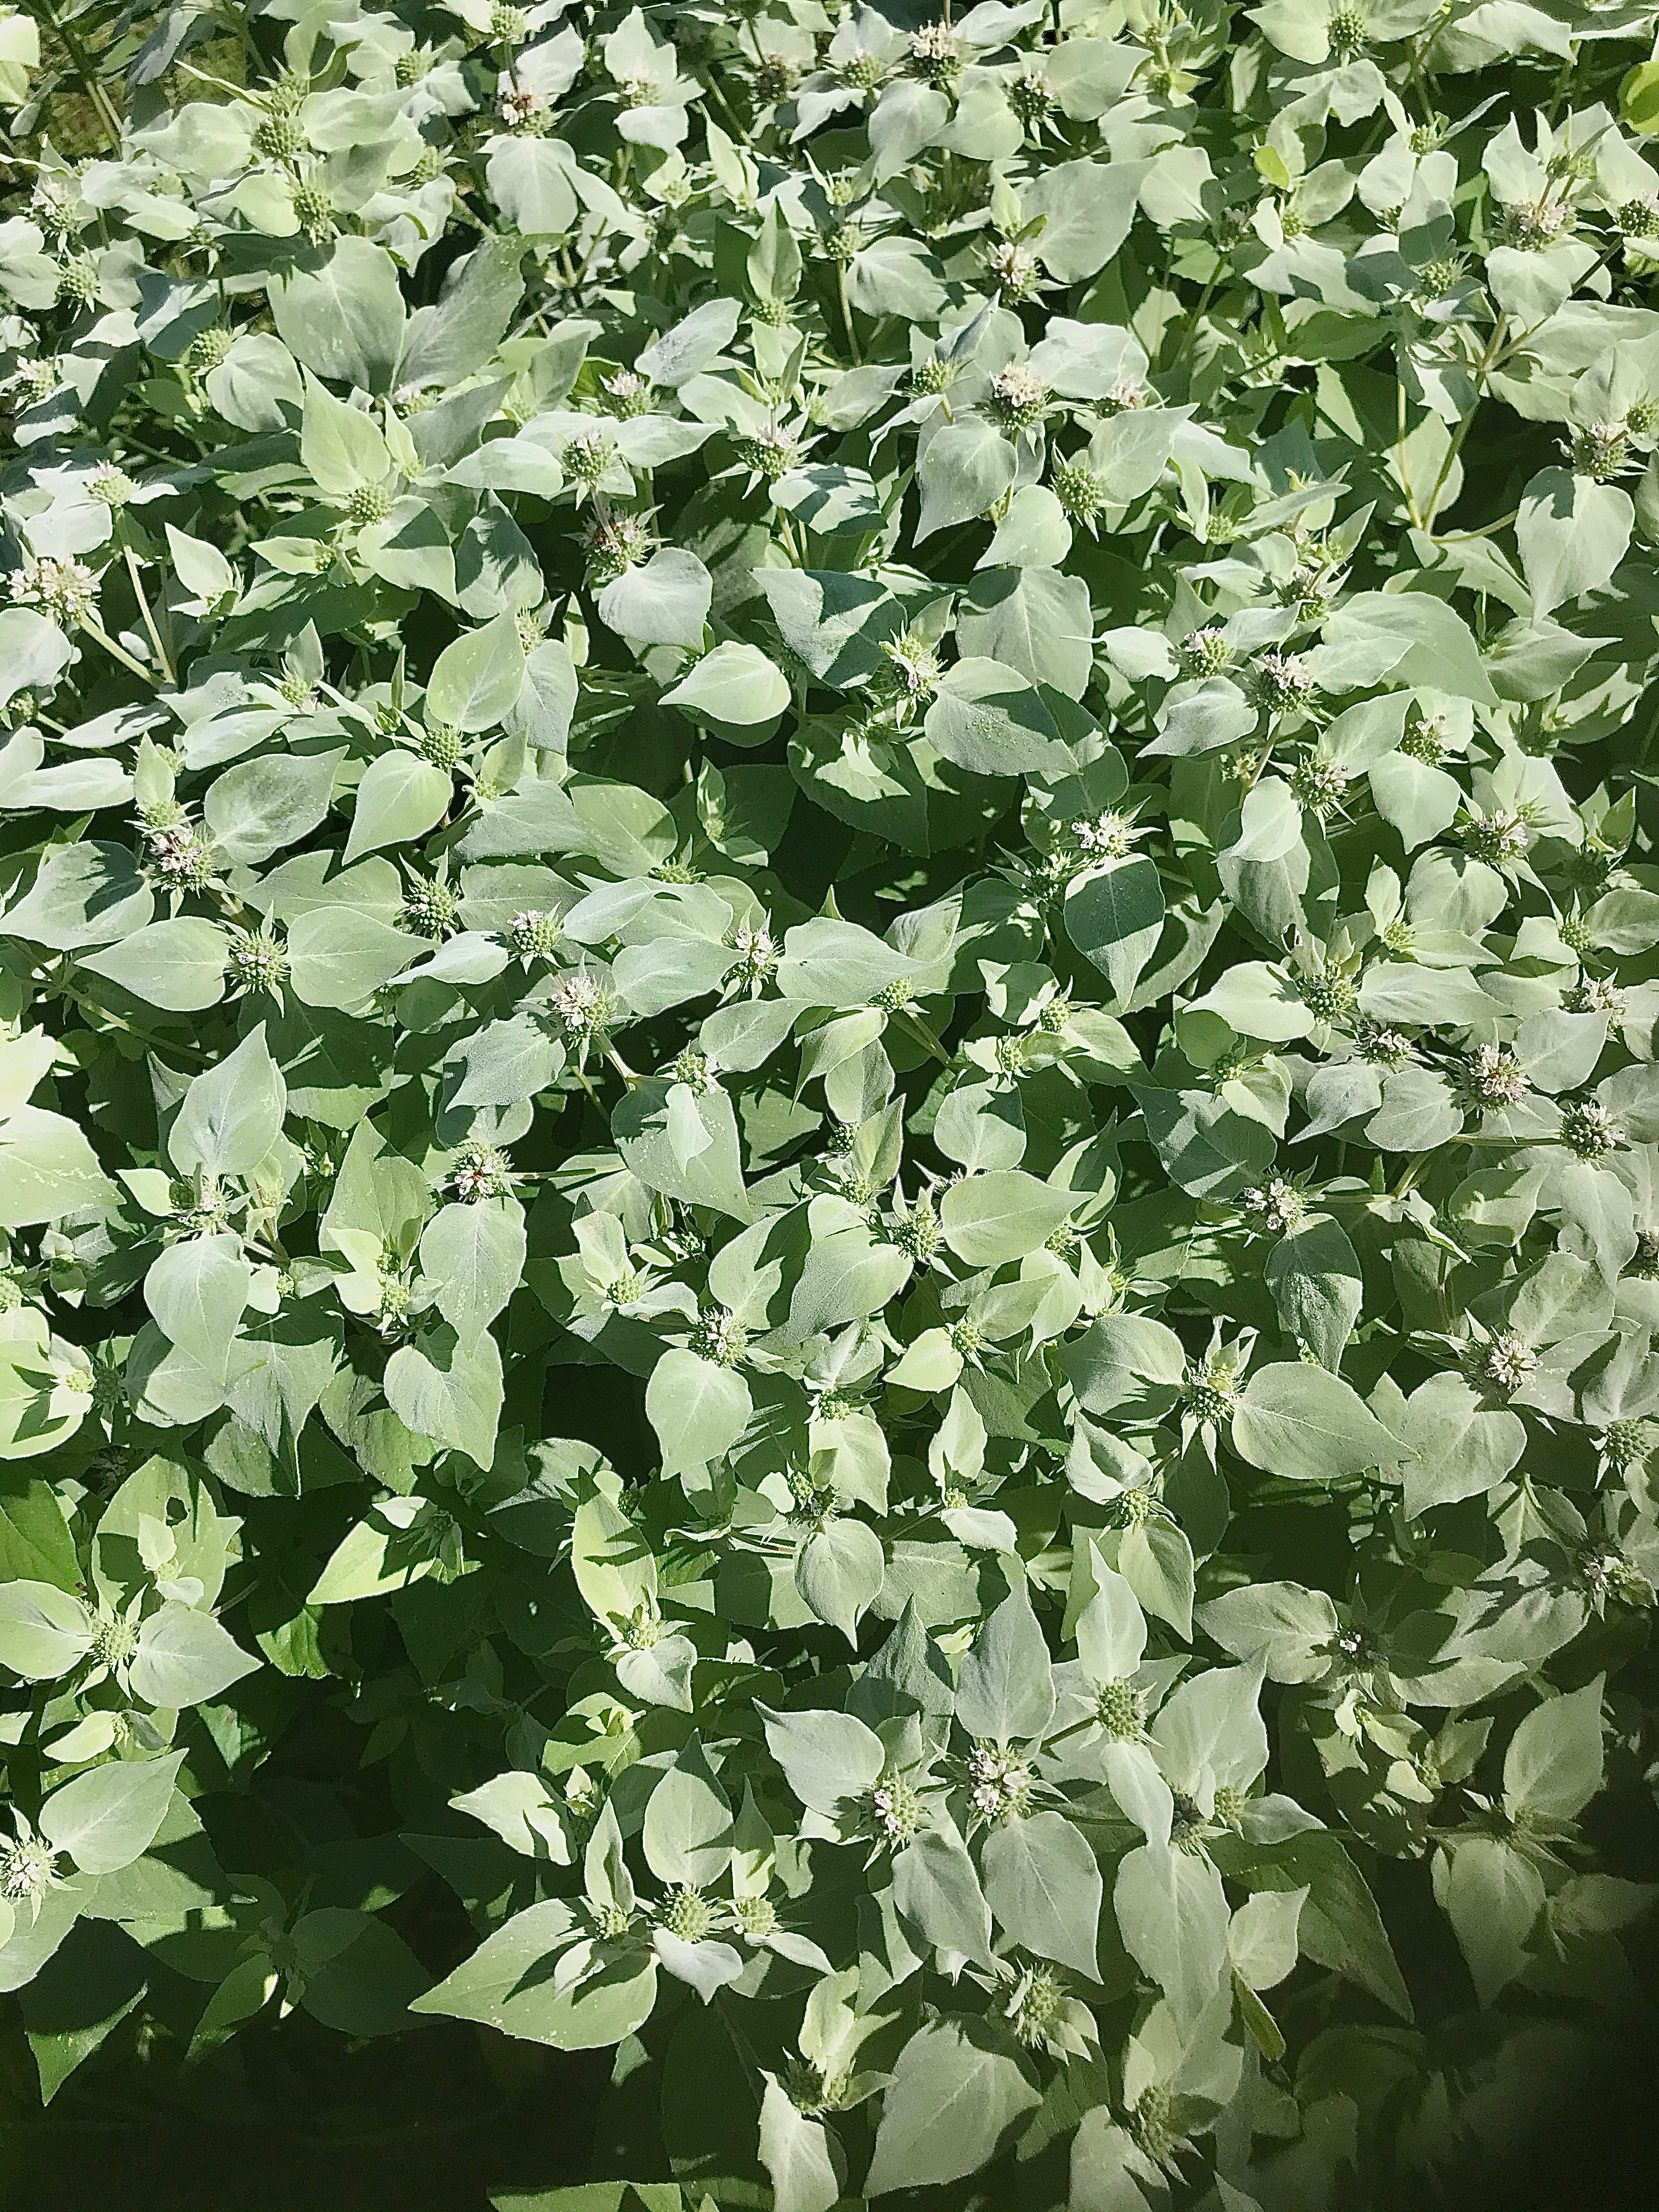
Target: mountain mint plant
(829,1116)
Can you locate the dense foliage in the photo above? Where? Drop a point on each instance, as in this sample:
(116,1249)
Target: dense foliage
(829,1128)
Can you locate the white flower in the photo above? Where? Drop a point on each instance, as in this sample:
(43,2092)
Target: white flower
(1278,1204)
(1495,1076)
(481,1172)
(1107,837)
(27,1869)
(579,1002)
(520,107)
(998,1782)
(1509,1361)
(67,589)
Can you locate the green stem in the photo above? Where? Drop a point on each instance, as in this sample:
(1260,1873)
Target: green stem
(711,87)
(88,77)
(581,269)
(1076,1728)
(1483,369)
(237,18)
(219,83)
(1498,350)
(846,314)
(1400,454)
(119,651)
(1531,332)
(1189,336)
(1413,1168)
(119,1021)
(1461,537)
(925,1033)
(161,652)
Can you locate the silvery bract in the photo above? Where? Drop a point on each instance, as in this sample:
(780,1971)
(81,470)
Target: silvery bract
(828,1094)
